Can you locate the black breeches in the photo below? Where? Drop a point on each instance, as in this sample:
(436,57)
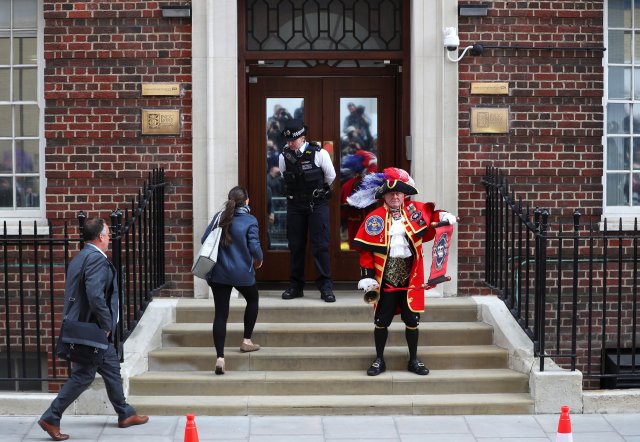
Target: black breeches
(388,305)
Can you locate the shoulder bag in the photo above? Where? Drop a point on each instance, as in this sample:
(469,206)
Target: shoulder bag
(81,342)
(208,254)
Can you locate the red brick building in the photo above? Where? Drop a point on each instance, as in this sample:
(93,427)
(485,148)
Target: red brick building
(72,101)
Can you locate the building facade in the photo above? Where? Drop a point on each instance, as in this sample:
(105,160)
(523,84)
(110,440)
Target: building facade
(75,116)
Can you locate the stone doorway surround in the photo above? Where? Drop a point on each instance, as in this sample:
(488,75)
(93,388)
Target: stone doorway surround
(434,129)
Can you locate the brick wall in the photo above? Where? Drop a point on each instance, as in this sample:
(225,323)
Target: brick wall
(97,55)
(553,152)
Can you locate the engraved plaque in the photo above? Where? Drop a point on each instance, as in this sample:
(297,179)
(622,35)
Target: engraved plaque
(172,89)
(490,88)
(160,122)
(489,120)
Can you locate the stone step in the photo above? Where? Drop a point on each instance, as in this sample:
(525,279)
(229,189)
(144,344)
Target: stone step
(327,358)
(342,405)
(349,308)
(327,334)
(276,383)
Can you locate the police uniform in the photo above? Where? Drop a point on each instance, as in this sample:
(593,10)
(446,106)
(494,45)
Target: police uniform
(308,174)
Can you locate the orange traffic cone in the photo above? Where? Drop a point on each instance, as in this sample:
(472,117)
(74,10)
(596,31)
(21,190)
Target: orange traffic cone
(564,426)
(190,430)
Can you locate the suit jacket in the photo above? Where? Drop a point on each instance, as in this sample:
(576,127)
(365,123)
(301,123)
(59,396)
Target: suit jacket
(96,294)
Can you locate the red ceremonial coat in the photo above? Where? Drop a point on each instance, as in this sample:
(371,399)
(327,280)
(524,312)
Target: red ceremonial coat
(373,241)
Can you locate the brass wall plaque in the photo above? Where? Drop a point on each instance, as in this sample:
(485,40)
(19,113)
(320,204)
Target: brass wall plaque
(490,88)
(489,120)
(160,122)
(172,89)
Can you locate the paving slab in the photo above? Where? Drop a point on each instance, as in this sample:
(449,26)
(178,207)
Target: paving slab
(466,428)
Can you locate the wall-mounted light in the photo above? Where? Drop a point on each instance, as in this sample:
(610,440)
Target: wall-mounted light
(473,10)
(179,11)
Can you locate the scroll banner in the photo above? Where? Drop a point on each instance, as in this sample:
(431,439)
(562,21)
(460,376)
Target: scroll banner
(440,255)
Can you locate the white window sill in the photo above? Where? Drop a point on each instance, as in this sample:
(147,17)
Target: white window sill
(613,222)
(24,226)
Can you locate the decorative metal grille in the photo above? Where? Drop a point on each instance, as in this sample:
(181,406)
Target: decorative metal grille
(324,25)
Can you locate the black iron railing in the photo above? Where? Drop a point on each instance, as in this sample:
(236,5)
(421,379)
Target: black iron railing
(572,287)
(32,278)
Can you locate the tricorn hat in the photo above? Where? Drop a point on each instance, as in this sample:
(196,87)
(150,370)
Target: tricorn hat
(375,185)
(397,180)
(294,129)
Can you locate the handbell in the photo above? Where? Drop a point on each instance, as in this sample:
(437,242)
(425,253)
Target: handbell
(372,296)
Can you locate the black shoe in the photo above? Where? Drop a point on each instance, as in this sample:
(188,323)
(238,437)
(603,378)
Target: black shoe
(377,367)
(292,293)
(328,296)
(417,367)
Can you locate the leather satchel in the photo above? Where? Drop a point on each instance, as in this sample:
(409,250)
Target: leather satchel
(81,342)
(208,254)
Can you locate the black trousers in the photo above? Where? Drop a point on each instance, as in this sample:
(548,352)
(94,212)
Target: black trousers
(303,221)
(221,298)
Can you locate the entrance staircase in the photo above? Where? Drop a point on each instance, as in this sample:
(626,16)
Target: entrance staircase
(314,358)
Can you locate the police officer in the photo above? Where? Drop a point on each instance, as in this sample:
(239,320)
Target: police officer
(308,173)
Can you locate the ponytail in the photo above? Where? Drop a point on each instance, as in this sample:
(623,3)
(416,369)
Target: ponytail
(237,198)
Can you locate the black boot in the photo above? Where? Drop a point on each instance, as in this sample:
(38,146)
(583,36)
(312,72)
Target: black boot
(291,293)
(380,337)
(415,365)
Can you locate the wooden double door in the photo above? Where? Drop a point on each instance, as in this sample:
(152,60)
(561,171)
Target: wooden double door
(354,118)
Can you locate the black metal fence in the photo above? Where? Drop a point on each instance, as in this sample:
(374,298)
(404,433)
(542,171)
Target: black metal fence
(572,287)
(32,278)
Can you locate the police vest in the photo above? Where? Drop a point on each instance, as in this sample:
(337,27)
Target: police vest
(302,176)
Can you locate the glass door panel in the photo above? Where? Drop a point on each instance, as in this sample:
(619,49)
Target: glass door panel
(278,109)
(358,157)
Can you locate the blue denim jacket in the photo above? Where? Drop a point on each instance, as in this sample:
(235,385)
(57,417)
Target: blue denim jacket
(235,263)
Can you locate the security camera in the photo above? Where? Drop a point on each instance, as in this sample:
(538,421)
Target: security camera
(451,40)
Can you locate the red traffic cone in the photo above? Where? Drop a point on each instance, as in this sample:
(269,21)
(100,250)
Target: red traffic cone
(564,426)
(190,430)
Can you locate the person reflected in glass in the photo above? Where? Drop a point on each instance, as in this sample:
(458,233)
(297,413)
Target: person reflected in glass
(275,181)
(239,254)
(354,167)
(272,155)
(6,192)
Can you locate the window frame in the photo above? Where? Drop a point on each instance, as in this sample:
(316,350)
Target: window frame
(31,214)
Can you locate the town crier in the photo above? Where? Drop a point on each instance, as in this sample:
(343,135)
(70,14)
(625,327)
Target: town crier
(390,243)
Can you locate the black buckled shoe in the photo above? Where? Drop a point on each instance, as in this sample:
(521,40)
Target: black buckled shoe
(377,367)
(292,293)
(328,296)
(417,367)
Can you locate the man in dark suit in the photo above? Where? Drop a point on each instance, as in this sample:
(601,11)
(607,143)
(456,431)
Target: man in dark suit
(91,295)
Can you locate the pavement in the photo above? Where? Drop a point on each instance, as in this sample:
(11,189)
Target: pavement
(529,428)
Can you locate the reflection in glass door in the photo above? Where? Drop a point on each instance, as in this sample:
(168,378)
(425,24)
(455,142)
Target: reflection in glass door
(354,119)
(358,157)
(279,111)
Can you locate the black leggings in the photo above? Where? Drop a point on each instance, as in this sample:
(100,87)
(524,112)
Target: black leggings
(221,297)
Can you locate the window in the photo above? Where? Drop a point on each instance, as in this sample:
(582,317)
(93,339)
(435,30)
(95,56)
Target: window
(309,25)
(21,109)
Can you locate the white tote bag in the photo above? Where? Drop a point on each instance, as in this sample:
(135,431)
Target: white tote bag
(208,254)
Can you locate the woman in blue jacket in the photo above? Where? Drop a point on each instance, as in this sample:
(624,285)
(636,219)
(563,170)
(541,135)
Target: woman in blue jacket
(239,253)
